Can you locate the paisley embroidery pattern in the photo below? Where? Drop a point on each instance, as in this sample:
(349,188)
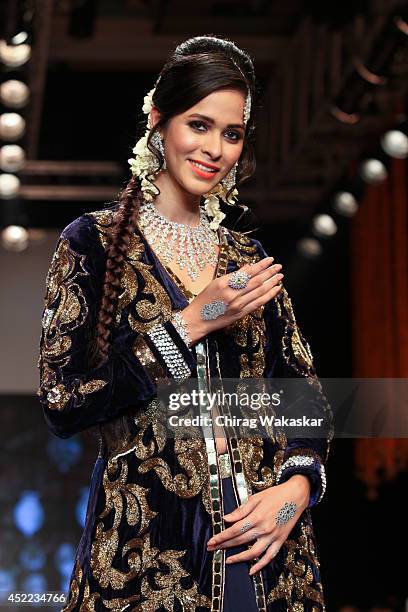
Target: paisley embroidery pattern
(65,310)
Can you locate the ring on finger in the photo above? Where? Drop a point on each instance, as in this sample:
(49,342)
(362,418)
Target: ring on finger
(239,279)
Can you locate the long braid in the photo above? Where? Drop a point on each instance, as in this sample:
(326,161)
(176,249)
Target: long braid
(130,199)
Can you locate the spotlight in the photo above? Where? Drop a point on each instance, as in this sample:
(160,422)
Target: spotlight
(12,126)
(9,185)
(14,56)
(19,38)
(324,225)
(14,238)
(344,203)
(395,143)
(373,171)
(309,247)
(14,94)
(12,158)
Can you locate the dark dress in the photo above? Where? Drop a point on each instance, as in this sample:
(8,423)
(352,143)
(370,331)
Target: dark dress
(155,500)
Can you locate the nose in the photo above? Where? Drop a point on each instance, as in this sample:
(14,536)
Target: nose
(212,146)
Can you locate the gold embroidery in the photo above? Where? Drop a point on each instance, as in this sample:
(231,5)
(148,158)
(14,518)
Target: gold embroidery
(297,578)
(65,310)
(147,359)
(74,588)
(172,582)
(92,385)
(249,332)
(136,280)
(191,456)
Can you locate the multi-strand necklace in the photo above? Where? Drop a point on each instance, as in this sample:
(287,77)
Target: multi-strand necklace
(194,245)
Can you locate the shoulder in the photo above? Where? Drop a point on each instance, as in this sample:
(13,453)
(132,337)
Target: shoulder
(85,232)
(250,244)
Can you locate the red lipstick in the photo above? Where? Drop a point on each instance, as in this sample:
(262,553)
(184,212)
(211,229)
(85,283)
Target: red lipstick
(201,172)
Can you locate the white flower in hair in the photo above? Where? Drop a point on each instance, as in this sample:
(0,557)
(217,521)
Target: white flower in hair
(148,102)
(212,208)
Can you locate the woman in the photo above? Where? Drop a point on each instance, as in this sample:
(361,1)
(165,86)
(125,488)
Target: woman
(150,289)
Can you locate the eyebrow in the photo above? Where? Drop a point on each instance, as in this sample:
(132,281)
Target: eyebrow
(210,120)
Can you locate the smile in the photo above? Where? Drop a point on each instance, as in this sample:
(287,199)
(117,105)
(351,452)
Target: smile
(201,170)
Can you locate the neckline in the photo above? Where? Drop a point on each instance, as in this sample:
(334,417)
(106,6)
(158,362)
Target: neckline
(167,271)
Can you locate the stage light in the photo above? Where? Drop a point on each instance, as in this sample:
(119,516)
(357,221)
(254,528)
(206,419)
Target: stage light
(9,185)
(324,225)
(373,171)
(344,203)
(12,126)
(14,238)
(395,143)
(14,55)
(12,158)
(19,38)
(309,247)
(14,94)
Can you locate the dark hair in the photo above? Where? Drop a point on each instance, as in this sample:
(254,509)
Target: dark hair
(196,68)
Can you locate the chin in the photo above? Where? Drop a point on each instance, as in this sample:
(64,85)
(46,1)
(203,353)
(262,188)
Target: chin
(195,189)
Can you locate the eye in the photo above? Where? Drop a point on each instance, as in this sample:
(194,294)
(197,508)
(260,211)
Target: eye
(236,136)
(194,124)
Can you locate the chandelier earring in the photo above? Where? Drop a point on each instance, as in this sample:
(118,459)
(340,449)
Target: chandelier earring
(230,179)
(158,143)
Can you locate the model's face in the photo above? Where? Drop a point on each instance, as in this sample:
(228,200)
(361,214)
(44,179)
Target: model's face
(216,140)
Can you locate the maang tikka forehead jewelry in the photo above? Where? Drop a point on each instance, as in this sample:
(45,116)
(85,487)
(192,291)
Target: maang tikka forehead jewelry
(146,166)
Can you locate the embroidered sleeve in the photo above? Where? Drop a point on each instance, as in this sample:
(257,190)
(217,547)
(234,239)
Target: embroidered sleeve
(75,396)
(288,355)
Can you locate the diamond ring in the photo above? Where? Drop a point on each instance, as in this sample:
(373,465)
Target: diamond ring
(239,279)
(245,527)
(214,309)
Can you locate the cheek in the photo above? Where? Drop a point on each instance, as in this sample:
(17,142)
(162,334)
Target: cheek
(183,141)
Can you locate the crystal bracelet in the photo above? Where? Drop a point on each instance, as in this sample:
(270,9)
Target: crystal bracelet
(180,324)
(174,360)
(303,461)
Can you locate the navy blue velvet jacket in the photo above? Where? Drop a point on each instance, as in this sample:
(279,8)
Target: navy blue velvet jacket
(151,509)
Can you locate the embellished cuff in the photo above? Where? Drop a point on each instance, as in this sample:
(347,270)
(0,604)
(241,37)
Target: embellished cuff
(310,467)
(168,346)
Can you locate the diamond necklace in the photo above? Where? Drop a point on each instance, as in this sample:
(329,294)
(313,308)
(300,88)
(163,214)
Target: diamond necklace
(194,245)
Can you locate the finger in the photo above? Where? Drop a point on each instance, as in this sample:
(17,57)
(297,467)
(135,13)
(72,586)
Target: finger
(256,268)
(269,295)
(253,552)
(259,279)
(235,530)
(258,292)
(267,557)
(243,538)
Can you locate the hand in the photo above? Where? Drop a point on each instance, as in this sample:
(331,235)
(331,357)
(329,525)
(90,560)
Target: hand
(260,511)
(262,287)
